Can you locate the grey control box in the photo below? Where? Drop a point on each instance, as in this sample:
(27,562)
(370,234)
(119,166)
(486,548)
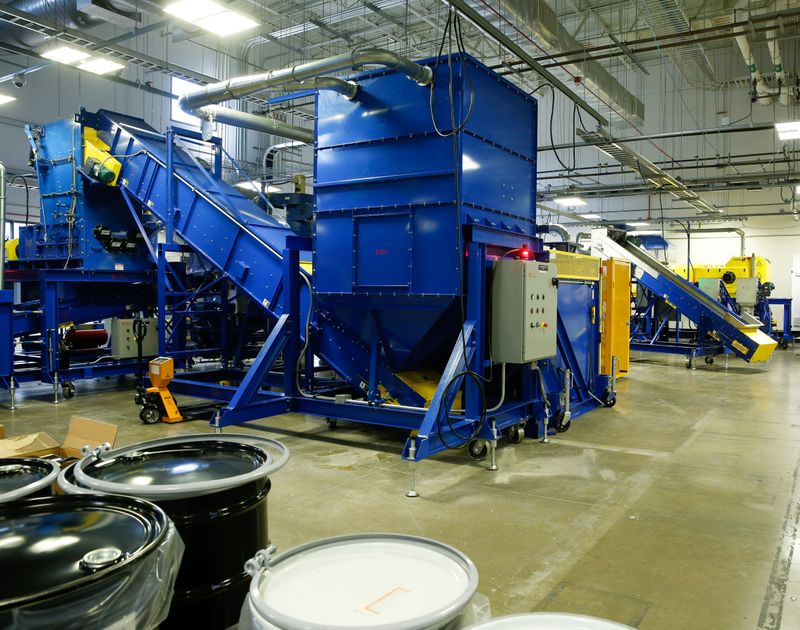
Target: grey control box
(524,311)
(123,343)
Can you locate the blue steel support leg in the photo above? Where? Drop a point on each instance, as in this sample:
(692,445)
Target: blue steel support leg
(49,301)
(291,304)
(248,403)
(432,435)
(161,299)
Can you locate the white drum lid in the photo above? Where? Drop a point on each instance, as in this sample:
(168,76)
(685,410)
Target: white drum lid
(549,621)
(365,581)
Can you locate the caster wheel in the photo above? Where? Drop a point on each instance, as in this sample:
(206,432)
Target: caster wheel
(149,415)
(515,434)
(709,360)
(478,449)
(609,400)
(138,399)
(783,344)
(332,423)
(558,422)
(68,389)
(689,364)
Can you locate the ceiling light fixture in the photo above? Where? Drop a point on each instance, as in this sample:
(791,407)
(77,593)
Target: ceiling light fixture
(637,223)
(569,201)
(211,16)
(64,54)
(4,98)
(788,130)
(100,65)
(591,216)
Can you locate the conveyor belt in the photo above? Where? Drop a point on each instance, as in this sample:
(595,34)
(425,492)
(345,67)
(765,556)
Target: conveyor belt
(740,333)
(234,235)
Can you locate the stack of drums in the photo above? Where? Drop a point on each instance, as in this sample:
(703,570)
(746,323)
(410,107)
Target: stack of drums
(386,581)
(86,562)
(26,478)
(549,621)
(214,488)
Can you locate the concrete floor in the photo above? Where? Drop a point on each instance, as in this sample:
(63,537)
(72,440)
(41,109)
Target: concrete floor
(678,508)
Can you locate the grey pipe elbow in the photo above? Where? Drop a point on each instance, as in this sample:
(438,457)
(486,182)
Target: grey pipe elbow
(422,75)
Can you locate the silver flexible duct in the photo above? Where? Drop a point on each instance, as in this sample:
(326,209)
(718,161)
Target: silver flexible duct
(244,86)
(228,116)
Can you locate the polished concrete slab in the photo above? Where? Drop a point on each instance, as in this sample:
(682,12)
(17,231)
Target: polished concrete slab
(677,508)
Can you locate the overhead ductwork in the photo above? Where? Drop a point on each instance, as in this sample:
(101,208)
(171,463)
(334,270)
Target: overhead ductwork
(203,102)
(227,116)
(240,87)
(74,14)
(541,22)
(553,228)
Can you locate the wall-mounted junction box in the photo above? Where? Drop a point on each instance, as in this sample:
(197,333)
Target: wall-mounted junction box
(524,307)
(123,343)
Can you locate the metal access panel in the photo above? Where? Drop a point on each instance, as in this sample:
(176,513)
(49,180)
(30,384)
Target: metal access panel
(123,343)
(524,311)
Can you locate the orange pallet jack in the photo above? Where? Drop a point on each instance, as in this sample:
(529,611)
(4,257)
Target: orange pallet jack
(158,403)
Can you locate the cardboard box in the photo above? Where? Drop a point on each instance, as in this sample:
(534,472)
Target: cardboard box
(82,432)
(2,431)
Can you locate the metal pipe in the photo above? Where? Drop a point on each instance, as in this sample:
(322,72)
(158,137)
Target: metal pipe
(777,63)
(348,89)
(244,86)
(2,225)
(553,228)
(764,93)
(228,116)
(490,29)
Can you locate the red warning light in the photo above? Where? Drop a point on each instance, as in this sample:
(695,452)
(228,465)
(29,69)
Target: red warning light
(525,254)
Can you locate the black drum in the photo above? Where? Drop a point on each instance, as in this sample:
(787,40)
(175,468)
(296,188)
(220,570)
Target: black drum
(214,488)
(86,562)
(22,477)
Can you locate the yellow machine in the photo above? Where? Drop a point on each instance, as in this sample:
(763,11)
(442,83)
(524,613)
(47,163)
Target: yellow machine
(11,246)
(98,162)
(739,266)
(159,405)
(615,316)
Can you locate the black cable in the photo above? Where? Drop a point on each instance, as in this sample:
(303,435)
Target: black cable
(552,141)
(465,440)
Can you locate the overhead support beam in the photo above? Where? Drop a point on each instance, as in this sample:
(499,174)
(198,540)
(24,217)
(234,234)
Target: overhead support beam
(651,173)
(492,31)
(670,134)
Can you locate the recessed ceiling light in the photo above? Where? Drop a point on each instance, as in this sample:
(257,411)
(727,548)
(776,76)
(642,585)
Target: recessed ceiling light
(100,65)
(4,98)
(64,54)
(788,130)
(591,216)
(569,201)
(211,16)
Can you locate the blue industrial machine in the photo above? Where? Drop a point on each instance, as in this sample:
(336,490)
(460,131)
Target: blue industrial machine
(84,262)
(662,298)
(423,300)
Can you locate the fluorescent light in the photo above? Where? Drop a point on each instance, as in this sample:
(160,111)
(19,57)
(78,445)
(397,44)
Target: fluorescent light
(4,98)
(644,232)
(637,223)
(788,130)
(591,216)
(569,201)
(64,54)
(274,189)
(100,65)
(210,16)
(796,190)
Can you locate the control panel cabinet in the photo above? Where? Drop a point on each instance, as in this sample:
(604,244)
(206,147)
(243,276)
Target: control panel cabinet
(524,311)
(123,341)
